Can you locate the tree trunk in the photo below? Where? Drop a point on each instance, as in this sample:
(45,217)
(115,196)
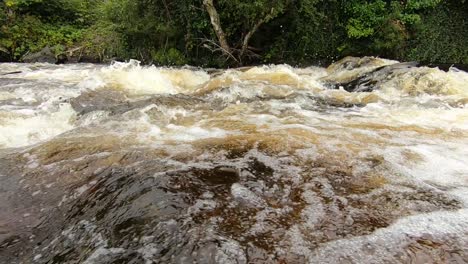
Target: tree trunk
(248,36)
(216,22)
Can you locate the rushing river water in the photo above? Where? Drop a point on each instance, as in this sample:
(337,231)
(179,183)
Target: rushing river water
(363,162)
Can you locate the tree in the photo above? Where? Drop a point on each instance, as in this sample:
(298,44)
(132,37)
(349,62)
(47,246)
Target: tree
(30,25)
(383,26)
(251,15)
(177,32)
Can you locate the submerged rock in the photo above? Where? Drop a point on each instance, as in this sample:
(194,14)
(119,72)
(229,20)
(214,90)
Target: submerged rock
(10,73)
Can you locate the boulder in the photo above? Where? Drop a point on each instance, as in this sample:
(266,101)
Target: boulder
(363,74)
(46,55)
(4,55)
(81,55)
(89,58)
(371,80)
(61,59)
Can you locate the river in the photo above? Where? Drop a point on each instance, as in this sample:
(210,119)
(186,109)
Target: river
(365,161)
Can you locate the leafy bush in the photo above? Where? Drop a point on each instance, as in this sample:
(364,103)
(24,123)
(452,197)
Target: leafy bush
(171,57)
(30,25)
(442,36)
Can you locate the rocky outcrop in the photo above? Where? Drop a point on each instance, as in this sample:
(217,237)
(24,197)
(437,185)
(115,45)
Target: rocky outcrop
(81,55)
(46,55)
(61,59)
(366,74)
(368,81)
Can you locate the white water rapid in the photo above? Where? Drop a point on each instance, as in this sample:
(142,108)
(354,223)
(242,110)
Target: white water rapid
(365,161)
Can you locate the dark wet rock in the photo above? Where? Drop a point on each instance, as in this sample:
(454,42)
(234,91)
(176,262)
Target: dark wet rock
(11,73)
(117,103)
(219,175)
(141,213)
(367,74)
(61,59)
(81,55)
(89,58)
(164,100)
(370,79)
(19,212)
(46,55)
(351,63)
(98,100)
(4,55)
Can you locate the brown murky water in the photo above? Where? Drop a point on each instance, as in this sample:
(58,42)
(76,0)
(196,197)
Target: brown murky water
(363,162)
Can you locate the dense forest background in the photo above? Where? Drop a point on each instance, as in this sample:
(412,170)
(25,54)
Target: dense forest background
(220,33)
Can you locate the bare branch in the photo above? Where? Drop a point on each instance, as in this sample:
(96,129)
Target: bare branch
(248,36)
(217,47)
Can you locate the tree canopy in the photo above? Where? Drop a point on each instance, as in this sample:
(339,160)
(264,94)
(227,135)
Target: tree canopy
(237,32)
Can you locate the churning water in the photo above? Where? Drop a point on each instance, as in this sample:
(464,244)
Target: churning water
(363,162)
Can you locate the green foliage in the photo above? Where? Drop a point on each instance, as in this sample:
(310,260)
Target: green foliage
(382,27)
(414,5)
(21,36)
(139,27)
(101,41)
(241,15)
(310,32)
(178,32)
(74,11)
(442,37)
(30,25)
(172,57)
(365,17)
